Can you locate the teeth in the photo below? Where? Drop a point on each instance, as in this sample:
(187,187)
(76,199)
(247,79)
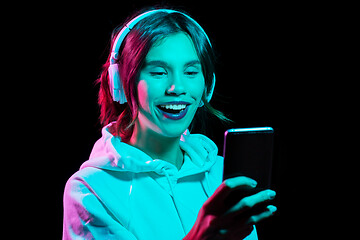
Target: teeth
(174,107)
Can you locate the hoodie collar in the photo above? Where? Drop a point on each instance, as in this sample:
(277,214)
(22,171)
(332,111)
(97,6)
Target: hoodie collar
(111,153)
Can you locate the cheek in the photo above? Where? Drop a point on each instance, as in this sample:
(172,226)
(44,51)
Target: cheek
(143,95)
(197,88)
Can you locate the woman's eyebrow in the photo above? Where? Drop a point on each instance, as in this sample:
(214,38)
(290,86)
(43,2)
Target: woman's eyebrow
(156,63)
(193,62)
(165,64)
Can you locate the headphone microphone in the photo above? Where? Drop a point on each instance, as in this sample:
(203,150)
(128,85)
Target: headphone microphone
(115,83)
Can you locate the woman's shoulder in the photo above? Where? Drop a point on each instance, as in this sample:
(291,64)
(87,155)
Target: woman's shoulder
(197,140)
(97,181)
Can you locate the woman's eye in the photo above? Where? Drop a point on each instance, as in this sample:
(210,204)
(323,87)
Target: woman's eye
(191,71)
(157,73)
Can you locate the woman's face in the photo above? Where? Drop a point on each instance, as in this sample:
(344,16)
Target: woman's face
(170,86)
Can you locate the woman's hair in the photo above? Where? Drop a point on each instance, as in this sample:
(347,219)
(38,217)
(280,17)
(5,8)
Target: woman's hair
(132,53)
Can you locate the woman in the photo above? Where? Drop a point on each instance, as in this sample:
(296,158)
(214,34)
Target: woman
(147,177)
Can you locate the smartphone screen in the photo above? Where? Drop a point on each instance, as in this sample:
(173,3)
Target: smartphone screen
(248,152)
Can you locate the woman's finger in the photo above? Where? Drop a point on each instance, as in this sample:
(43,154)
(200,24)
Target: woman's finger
(241,181)
(251,201)
(234,233)
(215,204)
(241,227)
(270,210)
(245,208)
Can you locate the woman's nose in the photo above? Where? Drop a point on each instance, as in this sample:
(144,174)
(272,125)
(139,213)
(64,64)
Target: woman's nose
(176,86)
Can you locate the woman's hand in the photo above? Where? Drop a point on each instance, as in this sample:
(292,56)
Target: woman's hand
(229,213)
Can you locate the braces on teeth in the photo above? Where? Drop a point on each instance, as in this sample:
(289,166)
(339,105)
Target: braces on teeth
(173,109)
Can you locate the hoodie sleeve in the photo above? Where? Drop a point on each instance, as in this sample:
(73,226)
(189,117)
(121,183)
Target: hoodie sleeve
(86,217)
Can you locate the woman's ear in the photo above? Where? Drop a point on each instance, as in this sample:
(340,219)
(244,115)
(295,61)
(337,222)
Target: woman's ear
(201,103)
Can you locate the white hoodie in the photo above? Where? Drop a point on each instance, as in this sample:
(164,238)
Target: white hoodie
(122,193)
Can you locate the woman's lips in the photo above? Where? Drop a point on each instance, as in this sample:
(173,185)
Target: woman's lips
(174,110)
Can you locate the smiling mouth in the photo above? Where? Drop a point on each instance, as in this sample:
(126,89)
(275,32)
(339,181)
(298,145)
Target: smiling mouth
(174,110)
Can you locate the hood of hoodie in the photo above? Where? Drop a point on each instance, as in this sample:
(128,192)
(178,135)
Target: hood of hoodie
(134,207)
(110,153)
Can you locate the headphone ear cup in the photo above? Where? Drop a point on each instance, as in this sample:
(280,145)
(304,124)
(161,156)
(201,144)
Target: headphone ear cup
(115,84)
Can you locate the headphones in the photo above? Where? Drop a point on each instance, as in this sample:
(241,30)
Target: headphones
(115,83)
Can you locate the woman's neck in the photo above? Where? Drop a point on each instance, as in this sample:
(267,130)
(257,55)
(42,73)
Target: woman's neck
(158,146)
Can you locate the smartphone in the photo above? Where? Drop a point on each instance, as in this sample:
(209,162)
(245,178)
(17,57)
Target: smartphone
(249,152)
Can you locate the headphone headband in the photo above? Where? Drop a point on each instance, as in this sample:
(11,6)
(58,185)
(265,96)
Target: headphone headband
(115,83)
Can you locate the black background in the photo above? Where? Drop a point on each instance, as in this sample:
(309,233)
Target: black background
(269,67)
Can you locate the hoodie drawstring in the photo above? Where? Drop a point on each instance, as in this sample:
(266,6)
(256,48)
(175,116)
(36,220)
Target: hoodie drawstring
(173,197)
(207,188)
